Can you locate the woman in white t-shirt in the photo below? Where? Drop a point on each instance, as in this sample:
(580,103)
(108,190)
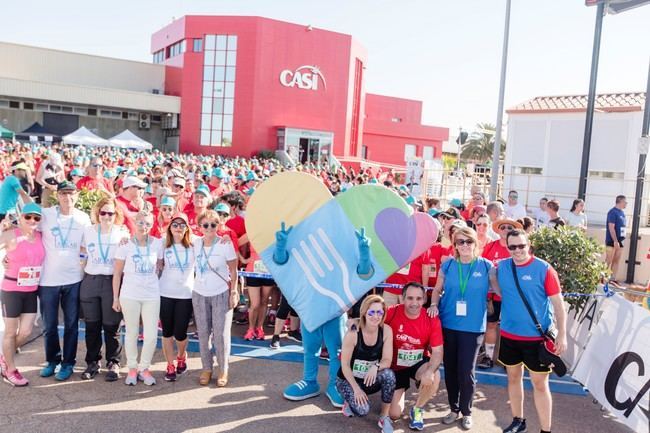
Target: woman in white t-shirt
(176,285)
(139,261)
(576,217)
(215,294)
(100,241)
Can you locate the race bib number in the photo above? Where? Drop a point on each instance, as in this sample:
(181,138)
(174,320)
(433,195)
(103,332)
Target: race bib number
(259,267)
(408,358)
(360,368)
(29,276)
(405,270)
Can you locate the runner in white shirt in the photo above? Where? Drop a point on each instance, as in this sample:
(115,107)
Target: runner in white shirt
(62,227)
(139,261)
(576,216)
(96,293)
(176,285)
(513,209)
(215,293)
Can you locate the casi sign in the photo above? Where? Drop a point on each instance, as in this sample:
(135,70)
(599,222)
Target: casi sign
(304,77)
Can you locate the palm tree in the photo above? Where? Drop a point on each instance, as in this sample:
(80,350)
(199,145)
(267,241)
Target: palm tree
(480,145)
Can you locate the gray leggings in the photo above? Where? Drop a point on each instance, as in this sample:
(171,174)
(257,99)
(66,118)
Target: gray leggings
(212,315)
(385,382)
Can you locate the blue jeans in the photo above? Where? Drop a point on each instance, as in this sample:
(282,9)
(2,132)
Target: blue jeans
(68,297)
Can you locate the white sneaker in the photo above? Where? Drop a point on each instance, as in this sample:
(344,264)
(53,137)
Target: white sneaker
(467,423)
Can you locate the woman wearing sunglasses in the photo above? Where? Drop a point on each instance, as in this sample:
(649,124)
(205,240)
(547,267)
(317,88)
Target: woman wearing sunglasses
(25,254)
(366,355)
(176,285)
(482,224)
(463,282)
(215,293)
(139,262)
(96,292)
(164,218)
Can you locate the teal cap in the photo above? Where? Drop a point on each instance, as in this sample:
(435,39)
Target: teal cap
(222,207)
(31,208)
(167,201)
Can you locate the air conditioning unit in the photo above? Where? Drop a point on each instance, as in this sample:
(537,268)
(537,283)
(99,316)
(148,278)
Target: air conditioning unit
(144,121)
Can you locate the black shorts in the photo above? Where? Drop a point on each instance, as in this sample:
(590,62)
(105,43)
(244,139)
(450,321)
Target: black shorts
(403,377)
(259,282)
(175,317)
(496,316)
(515,352)
(16,303)
(611,243)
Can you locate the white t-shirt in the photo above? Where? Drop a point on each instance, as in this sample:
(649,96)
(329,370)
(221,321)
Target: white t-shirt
(140,279)
(207,283)
(541,218)
(576,220)
(62,238)
(514,212)
(101,250)
(177,279)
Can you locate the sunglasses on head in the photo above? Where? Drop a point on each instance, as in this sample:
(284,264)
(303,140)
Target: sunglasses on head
(517,247)
(179,225)
(461,242)
(106,213)
(30,217)
(209,225)
(373,313)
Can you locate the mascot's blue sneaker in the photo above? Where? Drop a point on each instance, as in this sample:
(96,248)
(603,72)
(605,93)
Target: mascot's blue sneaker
(334,396)
(302,390)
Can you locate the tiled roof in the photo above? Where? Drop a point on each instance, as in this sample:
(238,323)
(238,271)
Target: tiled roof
(609,102)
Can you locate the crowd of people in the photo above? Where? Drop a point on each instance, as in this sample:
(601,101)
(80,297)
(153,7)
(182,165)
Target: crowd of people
(163,246)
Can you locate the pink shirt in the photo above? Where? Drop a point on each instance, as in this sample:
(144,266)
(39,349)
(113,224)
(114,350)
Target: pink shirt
(26,256)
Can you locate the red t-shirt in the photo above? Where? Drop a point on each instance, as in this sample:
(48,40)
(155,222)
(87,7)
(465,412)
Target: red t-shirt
(434,256)
(494,252)
(412,338)
(410,272)
(91,183)
(129,212)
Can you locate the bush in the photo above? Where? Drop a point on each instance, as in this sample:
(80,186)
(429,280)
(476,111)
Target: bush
(85,201)
(266,154)
(575,257)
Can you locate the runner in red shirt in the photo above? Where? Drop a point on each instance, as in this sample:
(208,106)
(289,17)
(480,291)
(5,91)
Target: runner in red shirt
(200,203)
(95,177)
(417,270)
(130,200)
(417,352)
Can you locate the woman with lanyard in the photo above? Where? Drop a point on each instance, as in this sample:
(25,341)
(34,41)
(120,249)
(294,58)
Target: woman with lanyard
(176,284)
(214,296)
(25,254)
(139,261)
(96,293)
(366,355)
(465,281)
(167,209)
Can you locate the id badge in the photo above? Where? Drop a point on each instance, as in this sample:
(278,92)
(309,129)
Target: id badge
(461,308)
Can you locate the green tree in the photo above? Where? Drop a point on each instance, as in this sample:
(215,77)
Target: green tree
(480,150)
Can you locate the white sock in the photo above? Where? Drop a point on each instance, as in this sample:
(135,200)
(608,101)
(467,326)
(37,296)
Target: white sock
(489,350)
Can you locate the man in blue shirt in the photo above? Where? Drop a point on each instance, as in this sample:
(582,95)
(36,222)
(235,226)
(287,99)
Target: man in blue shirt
(615,234)
(11,189)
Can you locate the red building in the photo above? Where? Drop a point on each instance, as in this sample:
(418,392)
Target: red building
(249,84)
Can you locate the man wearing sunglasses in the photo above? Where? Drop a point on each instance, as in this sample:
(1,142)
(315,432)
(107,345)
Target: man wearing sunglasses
(513,209)
(94,178)
(520,338)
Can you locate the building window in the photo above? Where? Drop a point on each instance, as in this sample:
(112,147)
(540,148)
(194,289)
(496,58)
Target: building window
(410,151)
(197,45)
(28,105)
(396,119)
(528,170)
(606,174)
(14,104)
(364,151)
(218,98)
(178,48)
(159,56)
(427,153)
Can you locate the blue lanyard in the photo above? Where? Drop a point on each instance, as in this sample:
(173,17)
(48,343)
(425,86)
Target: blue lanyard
(178,259)
(203,266)
(64,240)
(137,248)
(104,254)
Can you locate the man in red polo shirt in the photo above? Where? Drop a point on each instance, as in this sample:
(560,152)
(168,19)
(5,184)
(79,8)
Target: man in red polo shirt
(130,200)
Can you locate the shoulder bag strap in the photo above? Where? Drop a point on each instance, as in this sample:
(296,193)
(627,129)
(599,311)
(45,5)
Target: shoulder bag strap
(523,298)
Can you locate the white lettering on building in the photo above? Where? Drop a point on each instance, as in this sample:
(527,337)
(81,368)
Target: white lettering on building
(304,77)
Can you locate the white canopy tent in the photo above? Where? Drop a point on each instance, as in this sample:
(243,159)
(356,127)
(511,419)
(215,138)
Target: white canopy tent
(83,137)
(128,140)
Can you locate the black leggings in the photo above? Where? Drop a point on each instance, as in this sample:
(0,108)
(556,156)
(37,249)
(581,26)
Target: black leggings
(175,317)
(285,310)
(460,361)
(385,382)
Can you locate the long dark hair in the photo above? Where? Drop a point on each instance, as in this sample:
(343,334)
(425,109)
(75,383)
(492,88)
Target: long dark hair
(575,204)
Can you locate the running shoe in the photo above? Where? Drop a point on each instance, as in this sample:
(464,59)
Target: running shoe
(301,390)
(49,369)
(295,336)
(249,335)
(417,419)
(466,423)
(334,396)
(324,354)
(181,365)
(113,372)
(91,371)
(64,372)
(385,424)
(16,379)
(347,411)
(146,377)
(518,425)
(450,418)
(485,363)
(275,342)
(132,377)
(259,333)
(170,375)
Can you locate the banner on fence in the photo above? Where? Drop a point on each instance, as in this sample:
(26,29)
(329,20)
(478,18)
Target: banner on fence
(580,324)
(615,365)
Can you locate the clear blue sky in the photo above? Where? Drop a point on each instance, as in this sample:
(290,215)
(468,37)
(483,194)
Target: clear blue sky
(446,53)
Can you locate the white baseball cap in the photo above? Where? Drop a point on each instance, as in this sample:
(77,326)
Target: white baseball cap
(133,181)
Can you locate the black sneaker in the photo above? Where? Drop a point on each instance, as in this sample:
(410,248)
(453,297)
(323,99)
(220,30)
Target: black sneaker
(275,342)
(485,363)
(91,371)
(518,426)
(295,336)
(113,372)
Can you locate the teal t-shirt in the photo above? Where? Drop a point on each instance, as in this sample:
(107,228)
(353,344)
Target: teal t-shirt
(9,194)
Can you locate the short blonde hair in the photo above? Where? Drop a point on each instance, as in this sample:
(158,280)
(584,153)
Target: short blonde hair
(365,306)
(94,213)
(468,233)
